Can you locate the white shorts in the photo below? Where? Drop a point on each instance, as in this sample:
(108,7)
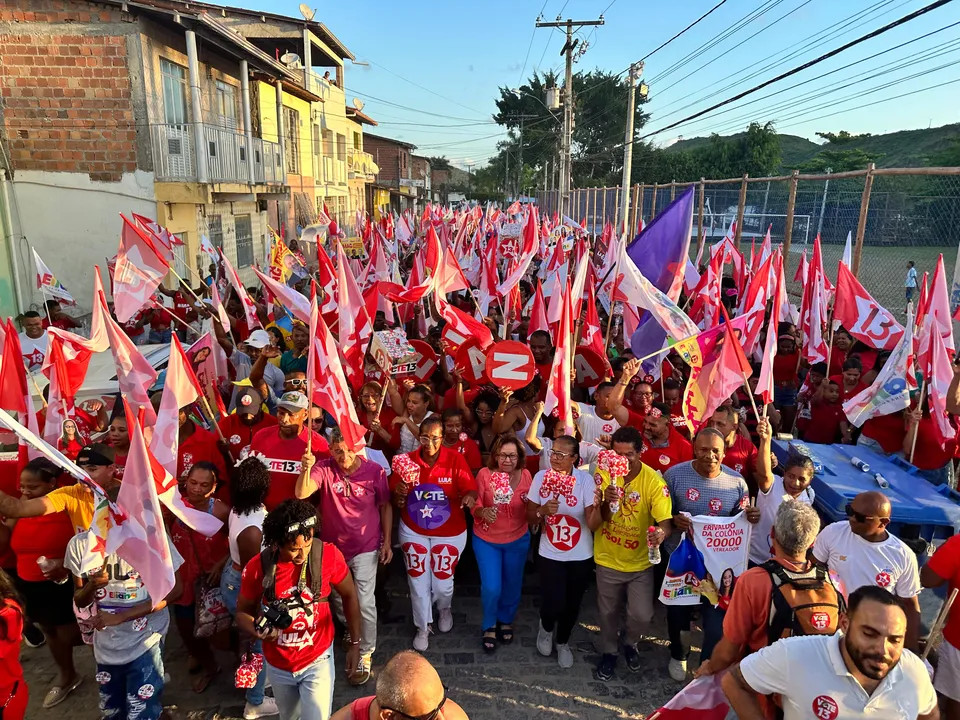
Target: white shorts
(947,680)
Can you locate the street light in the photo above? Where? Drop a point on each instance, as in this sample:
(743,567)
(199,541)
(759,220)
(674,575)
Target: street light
(518,92)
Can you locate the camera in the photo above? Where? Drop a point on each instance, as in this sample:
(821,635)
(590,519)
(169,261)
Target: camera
(275,615)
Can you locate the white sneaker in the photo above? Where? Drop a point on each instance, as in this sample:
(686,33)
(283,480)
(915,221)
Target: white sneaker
(544,641)
(421,640)
(677,670)
(265,709)
(564,655)
(445,623)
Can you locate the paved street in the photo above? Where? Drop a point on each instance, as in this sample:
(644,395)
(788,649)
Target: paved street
(516,682)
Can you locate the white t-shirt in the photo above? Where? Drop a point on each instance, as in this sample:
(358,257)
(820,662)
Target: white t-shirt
(761,546)
(588,455)
(810,675)
(236,524)
(376,456)
(568,538)
(34,351)
(889,564)
(591,426)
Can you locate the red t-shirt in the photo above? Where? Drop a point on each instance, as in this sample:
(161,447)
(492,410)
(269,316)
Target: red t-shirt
(283,460)
(71,448)
(844,395)
(451,476)
(11,622)
(239,435)
(742,457)
(387,416)
(160,319)
(130,326)
(200,446)
(309,636)
(471,453)
(120,462)
(544,372)
(946,563)
(450,397)
(785,369)
(662,459)
(928,455)
(837,358)
(42,535)
(888,430)
(823,426)
(183,306)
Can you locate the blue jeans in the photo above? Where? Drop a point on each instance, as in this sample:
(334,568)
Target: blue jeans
(306,693)
(161,337)
(133,691)
(501,578)
(678,620)
(230,590)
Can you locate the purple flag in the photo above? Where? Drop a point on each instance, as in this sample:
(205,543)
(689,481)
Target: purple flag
(661,252)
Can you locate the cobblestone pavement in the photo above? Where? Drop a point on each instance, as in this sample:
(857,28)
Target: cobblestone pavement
(515,683)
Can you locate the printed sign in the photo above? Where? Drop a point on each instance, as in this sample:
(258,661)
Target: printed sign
(452,340)
(590,366)
(353,247)
(428,506)
(471,361)
(510,364)
(426,360)
(393,353)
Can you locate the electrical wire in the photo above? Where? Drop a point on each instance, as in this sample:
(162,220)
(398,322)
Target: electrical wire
(423,87)
(533,34)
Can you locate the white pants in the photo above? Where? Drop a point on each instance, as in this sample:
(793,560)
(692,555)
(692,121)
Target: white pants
(363,567)
(430,563)
(947,680)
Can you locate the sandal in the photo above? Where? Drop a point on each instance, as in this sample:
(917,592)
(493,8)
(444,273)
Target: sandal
(202,682)
(505,633)
(57,694)
(489,640)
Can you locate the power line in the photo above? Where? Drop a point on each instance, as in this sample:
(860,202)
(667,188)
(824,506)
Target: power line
(863,38)
(423,87)
(663,45)
(533,34)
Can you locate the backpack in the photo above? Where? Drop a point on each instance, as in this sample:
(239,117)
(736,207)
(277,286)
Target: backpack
(802,603)
(312,570)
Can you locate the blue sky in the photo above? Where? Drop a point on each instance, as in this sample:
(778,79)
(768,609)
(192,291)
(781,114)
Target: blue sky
(449,58)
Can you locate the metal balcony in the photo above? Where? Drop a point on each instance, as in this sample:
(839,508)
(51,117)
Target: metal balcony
(361,165)
(175,155)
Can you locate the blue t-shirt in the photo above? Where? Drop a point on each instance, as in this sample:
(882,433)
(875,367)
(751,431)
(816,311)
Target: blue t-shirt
(723,496)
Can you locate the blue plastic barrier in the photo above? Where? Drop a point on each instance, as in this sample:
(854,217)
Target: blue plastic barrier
(918,509)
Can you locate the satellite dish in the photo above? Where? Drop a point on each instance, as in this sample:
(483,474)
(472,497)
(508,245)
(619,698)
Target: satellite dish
(289,59)
(307,12)
(358,103)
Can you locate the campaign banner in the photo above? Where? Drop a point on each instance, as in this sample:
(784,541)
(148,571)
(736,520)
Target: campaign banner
(708,561)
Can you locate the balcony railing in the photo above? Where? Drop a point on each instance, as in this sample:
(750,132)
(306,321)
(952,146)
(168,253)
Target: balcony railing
(175,155)
(361,165)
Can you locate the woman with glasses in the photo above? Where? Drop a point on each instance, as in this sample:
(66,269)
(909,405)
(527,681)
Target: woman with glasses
(416,408)
(501,538)
(479,416)
(566,505)
(377,415)
(544,445)
(518,413)
(432,486)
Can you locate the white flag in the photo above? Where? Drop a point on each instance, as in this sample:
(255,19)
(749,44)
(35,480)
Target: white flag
(48,283)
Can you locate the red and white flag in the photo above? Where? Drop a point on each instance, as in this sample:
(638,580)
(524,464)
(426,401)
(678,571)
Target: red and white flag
(430,256)
(702,699)
(327,279)
(292,300)
(14,392)
(48,283)
(765,379)
(938,381)
(755,303)
(355,324)
(861,315)
(592,333)
(530,244)
(249,306)
(219,309)
(138,273)
(937,316)
(813,310)
(328,383)
(558,401)
(538,312)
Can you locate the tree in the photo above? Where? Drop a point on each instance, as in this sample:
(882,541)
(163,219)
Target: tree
(439,163)
(842,137)
(948,156)
(838,161)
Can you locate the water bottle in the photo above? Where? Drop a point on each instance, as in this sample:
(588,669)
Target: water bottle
(859,464)
(46,565)
(881,481)
(653,551)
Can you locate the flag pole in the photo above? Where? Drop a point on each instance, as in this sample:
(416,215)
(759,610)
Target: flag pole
(753,402)
(213,418)
(616,283)
(913,445)
(176,317)
(939,622)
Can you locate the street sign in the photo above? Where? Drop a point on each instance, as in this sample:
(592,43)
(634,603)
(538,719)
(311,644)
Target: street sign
(510,364)
(590,367)
(426,362)
(472,362)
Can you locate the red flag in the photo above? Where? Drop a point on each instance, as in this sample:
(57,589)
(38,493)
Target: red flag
(558,401)
(138,273)
(430,255)
(938,381)
(755,302)
(329,386)
(813,310)
(923,300)
(538,312)
(765,380)
(937,316)
(591,335)
(292,300)
(861,315)
(702,699)
(249,307)
(180,389)
(14,395)
(355,324)
(530,243)
(800,276)
(327,277)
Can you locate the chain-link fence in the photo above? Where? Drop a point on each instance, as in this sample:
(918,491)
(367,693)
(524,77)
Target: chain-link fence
(893,214)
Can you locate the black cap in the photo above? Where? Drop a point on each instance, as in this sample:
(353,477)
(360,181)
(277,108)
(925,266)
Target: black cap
(96,454)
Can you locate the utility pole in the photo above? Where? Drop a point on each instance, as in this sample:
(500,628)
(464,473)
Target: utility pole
(506,172)
(635,71)
(568,47)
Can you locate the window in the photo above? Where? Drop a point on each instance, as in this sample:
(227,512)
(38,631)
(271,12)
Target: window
(291,137)
(328,143)
(341,147)
(225,105)
(174,80)
(244,233)
(357,141)
(215,230)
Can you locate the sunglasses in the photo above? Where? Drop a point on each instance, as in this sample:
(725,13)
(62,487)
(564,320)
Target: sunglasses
(296,382)
(560,455)
(859,517)
(305,525)
(428,716)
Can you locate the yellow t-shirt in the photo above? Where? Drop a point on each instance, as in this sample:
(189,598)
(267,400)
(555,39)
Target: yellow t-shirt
(621,544)
(77,500)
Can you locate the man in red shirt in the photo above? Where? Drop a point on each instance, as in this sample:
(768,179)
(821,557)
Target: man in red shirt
(432,492)
(665,446)
(281,447)
(298,657)
(197,444)
(239,427)
(825,422)
(454,438)
(741,454)
(541,347)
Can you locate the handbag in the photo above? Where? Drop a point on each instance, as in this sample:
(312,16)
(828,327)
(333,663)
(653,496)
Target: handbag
(212,615)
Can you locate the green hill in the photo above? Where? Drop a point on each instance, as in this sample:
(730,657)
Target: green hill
(904,148)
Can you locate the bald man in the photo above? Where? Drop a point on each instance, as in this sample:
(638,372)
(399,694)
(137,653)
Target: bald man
(862,552)
(407,687)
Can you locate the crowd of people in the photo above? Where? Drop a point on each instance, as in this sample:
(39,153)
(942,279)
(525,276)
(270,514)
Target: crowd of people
(311,524)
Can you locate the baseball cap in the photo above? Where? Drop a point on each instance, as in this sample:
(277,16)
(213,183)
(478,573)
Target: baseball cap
(258,339)
(248,402)
(293,401)
(96,454)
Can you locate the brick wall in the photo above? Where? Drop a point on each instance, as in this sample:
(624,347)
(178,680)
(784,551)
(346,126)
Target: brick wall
(387,156)
(65,94)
